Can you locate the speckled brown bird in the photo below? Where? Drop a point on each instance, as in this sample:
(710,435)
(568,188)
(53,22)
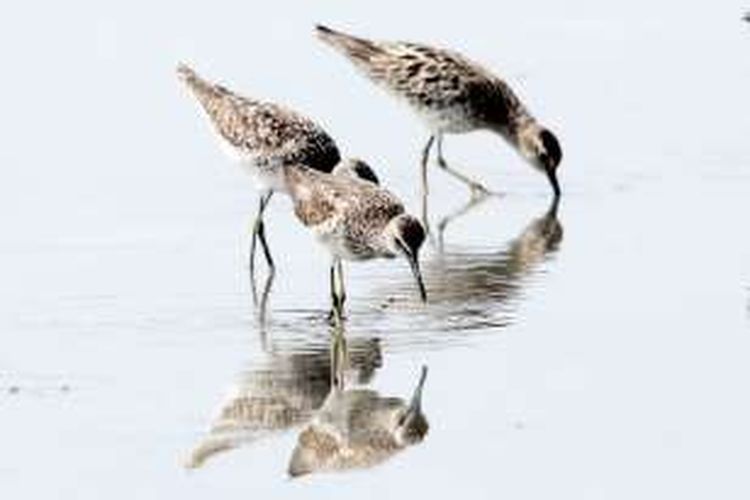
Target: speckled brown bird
(451,94)
(358,428)
(281,391)
(355,220)
(262,137)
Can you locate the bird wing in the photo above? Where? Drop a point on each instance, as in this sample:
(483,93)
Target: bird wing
(429,76)
(408,68)
(262,129)
(316,449)
(321,198)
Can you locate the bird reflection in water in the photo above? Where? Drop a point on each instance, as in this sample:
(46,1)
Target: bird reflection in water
(478,287)
(280,393)
(358,428)
(464,276)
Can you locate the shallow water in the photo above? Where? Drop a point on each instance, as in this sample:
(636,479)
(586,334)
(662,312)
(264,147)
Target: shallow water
(597,349)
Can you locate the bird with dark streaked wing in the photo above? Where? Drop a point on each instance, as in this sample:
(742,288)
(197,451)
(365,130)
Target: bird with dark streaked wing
(279,392)
(264,138)
(359,428)
(355,220)
(452,95)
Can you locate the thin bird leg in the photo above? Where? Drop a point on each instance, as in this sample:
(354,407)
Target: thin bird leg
(339,359)
(425,158)
(336,304)
(466,208)
(334,297)
(477,189)
(342,290)
(425,188)
(263,307)
(262,233)
(258,233)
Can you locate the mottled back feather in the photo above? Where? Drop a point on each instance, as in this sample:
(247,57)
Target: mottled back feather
(264,131)
(354,209)
(435,79)
(353,429)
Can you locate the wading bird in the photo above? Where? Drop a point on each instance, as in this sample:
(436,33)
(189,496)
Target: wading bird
(355,220)
(358,428)
(452,95)
(264,138)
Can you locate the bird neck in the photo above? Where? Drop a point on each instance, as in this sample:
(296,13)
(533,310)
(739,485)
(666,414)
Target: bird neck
(501,109)
(520,133)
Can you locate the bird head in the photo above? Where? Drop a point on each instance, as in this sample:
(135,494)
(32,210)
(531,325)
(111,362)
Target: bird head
(411,424)
(405,236)
(542,149)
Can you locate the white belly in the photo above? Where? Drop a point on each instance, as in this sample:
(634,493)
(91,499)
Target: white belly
(265,173)
(264,176)
(453,120)
(338,247)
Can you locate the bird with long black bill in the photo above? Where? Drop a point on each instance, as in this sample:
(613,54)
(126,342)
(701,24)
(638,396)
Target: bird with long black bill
(452,95)
(355,220)
(263,137)
(359,428)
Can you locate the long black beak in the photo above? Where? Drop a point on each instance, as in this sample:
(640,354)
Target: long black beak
(414,263)
(415,405)
(552,176)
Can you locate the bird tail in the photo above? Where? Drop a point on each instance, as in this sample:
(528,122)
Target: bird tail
(357,49)
(201,88)
(188,75)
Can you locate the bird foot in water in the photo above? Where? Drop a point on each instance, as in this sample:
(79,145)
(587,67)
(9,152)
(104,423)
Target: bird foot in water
(478,191)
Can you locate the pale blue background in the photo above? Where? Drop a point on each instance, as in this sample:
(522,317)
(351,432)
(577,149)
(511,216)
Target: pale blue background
(623,369)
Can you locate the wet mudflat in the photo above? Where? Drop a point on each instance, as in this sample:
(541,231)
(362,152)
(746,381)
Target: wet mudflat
(593,349)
